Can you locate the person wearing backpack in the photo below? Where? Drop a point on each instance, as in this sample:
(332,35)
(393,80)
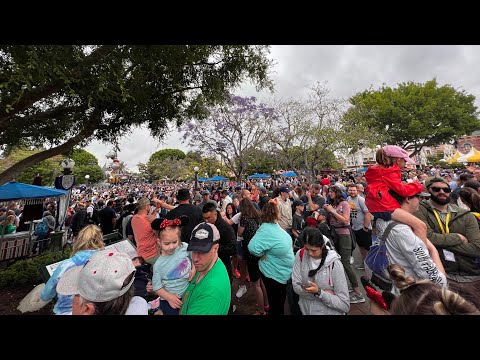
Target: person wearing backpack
(318,277)
(406,249)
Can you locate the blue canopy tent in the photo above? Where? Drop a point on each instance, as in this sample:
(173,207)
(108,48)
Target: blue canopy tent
(30,193)
(362,169)
(202,179)
(289,174)
(259,176)
(217,178)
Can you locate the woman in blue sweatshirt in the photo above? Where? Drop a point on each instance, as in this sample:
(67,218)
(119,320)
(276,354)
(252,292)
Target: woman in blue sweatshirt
(88,241)
(274,247)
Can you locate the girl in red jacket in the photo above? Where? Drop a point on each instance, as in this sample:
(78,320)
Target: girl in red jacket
(386,175)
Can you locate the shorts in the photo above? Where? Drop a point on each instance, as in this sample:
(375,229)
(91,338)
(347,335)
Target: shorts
(240,251)
(385,215)
(363,238)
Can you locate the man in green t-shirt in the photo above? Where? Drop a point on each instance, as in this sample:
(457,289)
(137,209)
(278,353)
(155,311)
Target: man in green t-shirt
(209,292)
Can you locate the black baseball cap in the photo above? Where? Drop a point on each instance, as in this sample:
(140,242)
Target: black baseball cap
(204,235)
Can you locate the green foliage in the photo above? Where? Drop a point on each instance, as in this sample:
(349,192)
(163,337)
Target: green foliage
(415,115)
(434,159)
(26,271)
(167,153)
(50,93)
(62,95)
(47,168)
(85,163)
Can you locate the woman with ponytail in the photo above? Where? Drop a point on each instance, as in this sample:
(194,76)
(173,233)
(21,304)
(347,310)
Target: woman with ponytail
(319,278)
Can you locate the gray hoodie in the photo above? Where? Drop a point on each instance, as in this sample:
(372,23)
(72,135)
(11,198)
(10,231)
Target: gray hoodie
(331,276)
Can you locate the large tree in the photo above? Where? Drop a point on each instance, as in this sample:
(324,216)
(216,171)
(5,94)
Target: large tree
(415,115)
(61,96)
(230,130)
(85,163)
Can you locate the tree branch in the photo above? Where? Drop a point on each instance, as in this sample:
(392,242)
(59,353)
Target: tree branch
(30,97)
(15,169)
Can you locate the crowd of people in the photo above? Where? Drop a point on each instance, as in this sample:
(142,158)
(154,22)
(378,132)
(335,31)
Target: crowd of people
(291,239)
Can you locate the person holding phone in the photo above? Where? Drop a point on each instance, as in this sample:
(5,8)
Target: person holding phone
(318,277)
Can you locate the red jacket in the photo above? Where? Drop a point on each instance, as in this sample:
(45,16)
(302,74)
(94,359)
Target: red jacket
(379,180)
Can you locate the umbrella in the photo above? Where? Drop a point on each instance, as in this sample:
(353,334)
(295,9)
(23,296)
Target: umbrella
(289,174)
(217,178)
(18,191)
(362,169)
(202,179)
(259,176)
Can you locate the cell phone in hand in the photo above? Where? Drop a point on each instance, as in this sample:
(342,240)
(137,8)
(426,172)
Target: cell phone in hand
(303,285)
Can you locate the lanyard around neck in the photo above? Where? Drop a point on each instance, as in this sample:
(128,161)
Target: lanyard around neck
(445,230)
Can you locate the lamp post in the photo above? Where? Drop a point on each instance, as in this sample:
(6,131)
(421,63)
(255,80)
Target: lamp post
(86,178)
(64,182)
(196,177)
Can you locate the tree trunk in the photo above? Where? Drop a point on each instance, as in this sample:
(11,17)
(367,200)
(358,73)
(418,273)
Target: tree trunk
(17,168)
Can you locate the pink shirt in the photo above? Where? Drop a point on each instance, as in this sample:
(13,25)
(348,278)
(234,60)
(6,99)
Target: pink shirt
(145,237)
(343,209)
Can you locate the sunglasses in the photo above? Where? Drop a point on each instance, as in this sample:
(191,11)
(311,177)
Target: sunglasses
(437,189)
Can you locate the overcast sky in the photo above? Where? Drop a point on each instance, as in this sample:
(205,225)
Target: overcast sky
(346,70)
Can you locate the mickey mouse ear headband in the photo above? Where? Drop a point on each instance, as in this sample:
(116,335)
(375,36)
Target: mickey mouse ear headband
(162,223)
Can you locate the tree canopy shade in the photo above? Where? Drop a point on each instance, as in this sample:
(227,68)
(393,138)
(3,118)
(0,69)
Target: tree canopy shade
(415,115)
(61,96)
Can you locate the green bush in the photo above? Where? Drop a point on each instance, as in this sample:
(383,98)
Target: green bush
(24,272)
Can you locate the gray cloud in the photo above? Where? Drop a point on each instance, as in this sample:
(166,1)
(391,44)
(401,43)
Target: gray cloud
(346,70)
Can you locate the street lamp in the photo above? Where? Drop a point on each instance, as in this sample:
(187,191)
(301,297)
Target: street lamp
(196,177)
(218,172)
(86,178)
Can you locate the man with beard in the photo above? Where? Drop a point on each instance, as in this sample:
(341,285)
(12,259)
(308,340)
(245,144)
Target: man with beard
(454,232)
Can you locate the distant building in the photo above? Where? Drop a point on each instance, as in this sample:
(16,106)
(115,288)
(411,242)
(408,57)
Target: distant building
(363,157)
(465,143)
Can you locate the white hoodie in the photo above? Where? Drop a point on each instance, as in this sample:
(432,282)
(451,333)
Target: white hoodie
(331,276)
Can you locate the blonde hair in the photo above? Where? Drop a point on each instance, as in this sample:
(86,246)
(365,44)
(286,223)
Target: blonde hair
(10,219)
(426,298)
(89,238)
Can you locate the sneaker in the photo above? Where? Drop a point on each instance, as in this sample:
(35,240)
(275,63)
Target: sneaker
(355,298)
(360,266)
(236,273)
(234,308)
(242,289)
(266,309)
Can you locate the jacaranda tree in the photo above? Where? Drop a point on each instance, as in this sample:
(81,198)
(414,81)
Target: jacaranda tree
(230,130)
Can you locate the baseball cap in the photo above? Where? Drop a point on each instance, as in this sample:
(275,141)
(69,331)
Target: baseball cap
(284,189)
(204,235)
(322,212)
(3,209)
(205,192)
(101,279)
(397,152)
(298,203)
(183,194)
(238,187)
